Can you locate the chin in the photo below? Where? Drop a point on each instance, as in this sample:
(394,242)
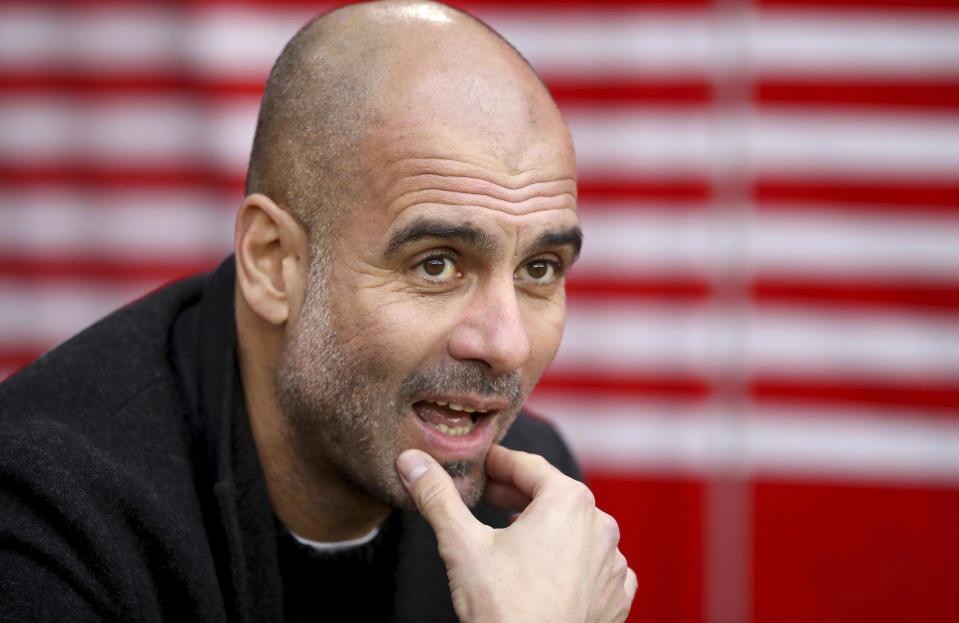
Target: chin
(469,485)
(469,491)
(470,481)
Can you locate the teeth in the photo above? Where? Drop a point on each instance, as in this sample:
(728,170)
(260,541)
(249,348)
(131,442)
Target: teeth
(455,431)
(466,428)
(457,407)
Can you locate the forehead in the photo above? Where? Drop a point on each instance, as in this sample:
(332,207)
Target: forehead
(512,164)
(470,143)
(412,175)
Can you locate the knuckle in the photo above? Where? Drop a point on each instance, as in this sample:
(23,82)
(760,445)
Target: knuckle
(620,566)
(626,598)
(631,585)
(609,526)
(581,494)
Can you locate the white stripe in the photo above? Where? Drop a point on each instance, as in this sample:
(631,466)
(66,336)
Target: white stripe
(639,338)
(226,40)
(106,38)
(872,144)
(124,130)
(646,436)
(34,128)
(852,343)
(48,313)
(647,142)
(178,130)
(635,338)
(244,41)
(229,133)
(121,128)
(644,239)
(215,42)
(604,44)
(895,445)
(649,239)
(118,225)
(27,34)
(863,43)
(821,242)
(832,445)
(123,37)
(627,142)
(658,43)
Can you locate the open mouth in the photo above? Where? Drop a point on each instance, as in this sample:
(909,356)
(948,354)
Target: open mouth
(449,418)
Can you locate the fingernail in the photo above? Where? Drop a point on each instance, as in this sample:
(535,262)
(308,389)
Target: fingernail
(411,464)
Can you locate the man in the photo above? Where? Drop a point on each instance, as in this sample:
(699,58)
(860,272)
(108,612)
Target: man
(397,290)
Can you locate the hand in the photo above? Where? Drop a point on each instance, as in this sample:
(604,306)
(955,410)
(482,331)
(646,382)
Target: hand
(558,561)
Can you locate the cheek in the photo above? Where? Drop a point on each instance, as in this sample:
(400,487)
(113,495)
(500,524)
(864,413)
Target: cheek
(392,327)
(544,326)
(364,306)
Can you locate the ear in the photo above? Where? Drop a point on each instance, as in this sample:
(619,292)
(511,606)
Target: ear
(272,257)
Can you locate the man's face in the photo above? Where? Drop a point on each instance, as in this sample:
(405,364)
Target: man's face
(441,304)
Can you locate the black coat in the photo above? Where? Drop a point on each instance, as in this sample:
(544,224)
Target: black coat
(130,487)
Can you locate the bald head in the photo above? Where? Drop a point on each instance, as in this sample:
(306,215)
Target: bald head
(399,68)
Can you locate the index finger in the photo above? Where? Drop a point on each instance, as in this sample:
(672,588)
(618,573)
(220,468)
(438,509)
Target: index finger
(528,473)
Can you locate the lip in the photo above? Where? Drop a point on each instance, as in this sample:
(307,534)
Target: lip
(472,445)
(445,447)
(473,401)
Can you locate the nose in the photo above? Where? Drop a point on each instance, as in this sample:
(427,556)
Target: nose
(491,329)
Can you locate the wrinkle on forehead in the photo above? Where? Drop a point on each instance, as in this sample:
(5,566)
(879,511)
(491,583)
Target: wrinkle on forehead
(452,168)
(459,189)
(500,189)
(544,183)
(446,198)
(449,182)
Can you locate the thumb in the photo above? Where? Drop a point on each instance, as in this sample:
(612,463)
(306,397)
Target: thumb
(435,495)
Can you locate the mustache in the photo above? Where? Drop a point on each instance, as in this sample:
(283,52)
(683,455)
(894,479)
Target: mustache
(463,378)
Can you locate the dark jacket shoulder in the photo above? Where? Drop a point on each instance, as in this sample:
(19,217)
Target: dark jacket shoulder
(96,484)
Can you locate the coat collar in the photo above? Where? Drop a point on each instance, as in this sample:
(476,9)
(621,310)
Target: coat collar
(230,480)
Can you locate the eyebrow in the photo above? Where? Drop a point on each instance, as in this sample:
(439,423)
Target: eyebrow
(477,238)
(572,237)
(429,228)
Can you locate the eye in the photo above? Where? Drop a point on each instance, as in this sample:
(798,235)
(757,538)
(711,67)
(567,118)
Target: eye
(438,268)
(539,271)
